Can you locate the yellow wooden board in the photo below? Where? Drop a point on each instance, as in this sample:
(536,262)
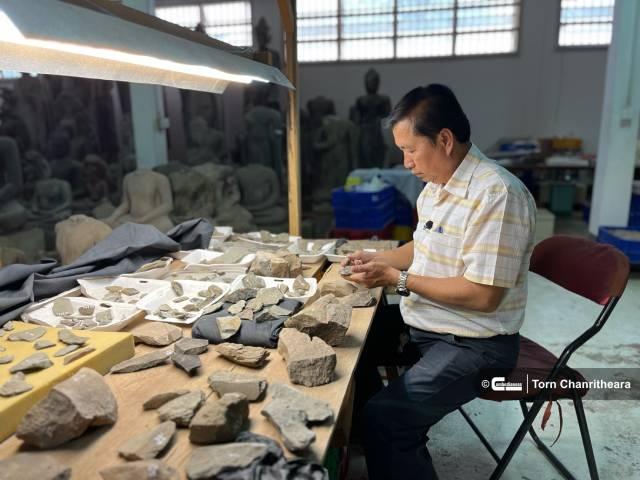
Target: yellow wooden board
(110,348)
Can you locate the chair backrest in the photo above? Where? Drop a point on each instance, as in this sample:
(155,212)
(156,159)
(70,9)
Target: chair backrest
(596,271)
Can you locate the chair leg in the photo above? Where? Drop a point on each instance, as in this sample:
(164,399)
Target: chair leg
(586,438)
(482,438)
(517,439)
(545,450)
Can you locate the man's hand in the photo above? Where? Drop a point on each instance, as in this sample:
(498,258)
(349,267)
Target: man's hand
(358,258)
(374,274)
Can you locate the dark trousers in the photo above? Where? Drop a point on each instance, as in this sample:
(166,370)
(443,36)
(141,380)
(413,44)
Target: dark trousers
(396,420)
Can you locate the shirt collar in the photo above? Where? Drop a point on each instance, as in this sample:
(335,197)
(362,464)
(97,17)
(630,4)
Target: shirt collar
(458,184)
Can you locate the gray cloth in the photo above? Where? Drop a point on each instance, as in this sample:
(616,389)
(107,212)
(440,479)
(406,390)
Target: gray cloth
(263,334)
(125,250)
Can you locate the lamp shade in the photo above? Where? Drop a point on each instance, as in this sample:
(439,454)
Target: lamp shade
(99,39)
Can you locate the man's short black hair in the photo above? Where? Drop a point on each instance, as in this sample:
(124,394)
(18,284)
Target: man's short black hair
(431,109)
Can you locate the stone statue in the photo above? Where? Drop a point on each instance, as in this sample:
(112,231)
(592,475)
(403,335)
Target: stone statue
(335,145)
(77,234)
(367,114)
(146,198)
(262,36)
(264,136)
(193,195)
(261,195)
(9,256)
(95,173)
(35,107)
(12,214)
(11,124)
(34,168)
(63,165)
(207,144)
(115,175)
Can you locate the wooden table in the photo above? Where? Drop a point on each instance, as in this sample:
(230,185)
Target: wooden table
(98,449)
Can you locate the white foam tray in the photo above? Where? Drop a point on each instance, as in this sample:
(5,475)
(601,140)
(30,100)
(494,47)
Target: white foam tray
(96,287)
(151,302)
(195,258)
(313,258)
(274,282)
(254,237)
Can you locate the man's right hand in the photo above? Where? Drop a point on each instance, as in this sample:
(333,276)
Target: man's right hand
(358,258)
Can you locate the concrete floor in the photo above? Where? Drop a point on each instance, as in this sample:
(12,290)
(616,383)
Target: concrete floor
(554,317)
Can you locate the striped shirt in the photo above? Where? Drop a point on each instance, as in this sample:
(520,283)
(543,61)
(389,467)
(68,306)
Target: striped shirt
(482,228)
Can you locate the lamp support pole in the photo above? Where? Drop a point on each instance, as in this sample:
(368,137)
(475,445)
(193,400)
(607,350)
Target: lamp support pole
(287,15)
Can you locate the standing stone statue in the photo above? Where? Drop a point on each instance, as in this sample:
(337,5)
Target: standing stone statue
(264,136)
(146,198)
(262,36)
(335,145)
(77,234)
(367,113)
(207,144)
(35,107)
(12,213)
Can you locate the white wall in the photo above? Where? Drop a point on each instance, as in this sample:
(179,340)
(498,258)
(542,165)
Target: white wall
(539,91)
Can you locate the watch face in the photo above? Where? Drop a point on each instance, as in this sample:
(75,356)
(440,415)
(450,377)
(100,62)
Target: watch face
(403,291)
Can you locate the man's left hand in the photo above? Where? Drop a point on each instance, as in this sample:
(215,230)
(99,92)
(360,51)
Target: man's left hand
(374,274)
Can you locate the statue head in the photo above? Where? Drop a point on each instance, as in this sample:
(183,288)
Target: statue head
(95,168)
(262,34)
(58,145)
(35,167)
(372,81)
(319,108)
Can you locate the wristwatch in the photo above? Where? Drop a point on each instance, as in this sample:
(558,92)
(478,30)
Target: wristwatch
(401,287)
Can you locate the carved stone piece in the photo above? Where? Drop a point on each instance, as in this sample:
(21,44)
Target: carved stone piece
(310,362)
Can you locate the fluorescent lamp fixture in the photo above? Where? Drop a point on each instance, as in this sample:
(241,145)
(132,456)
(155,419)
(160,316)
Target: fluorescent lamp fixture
(56,37)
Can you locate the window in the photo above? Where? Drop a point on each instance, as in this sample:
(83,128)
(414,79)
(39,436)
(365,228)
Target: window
(343,30)
(585,23)
(9,74)
(229,22)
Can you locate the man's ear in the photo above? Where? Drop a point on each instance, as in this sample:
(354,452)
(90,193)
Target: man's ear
(447,140)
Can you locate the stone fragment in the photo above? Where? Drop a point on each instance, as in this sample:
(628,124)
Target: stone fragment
(191,346)
(290,411)
(241,294)
(2,332)
(37,361)
(78,354)
(62,307)
(268,264)
(15,386)
(7,327)
(273,312)
(103,317)
(180,299)
(228,326)
(177,288)
(140,470)
(31,466)
(346,270)
(254,357)
(225,381)
(188,363)
(310,362)
(2,349)
(181,409)
(114,288)
(339,288)
(142,362)
(214,307)
(236,308)
(156,334)
(80,402)
(86,309)
(161,398)
(27,335)
(329,322)
(130,291)
(246,314)
(301,284)
(66,350)
(254,304)
(70,338)
(149,444)
(251,280)
(43,343)
(208,462)
(284,288)
(359,299)
(219,420)
(4,359)
(269,296)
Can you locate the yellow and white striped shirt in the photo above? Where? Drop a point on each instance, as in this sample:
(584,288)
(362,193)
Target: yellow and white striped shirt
(482,228)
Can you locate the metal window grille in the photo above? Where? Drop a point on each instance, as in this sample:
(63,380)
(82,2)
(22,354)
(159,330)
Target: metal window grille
(585,23)
(347,30)
(229,22)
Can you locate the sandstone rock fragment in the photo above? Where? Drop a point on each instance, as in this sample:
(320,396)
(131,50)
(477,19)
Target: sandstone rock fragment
(219,420)
(66,350)
(182,409)
(228,326)
(15,386)
(70,338)
(156,334)
(142,362)
(359,299)
(27,335)
(77,354)
(149,444)
(30,466)
(188,363)
(310,362)
(208,462)
(340,288)
(254,357)
(140,470)
(191,346)
(43,343)
(329,322)
(4,359)
(37,361)
(225,381)
(161,398)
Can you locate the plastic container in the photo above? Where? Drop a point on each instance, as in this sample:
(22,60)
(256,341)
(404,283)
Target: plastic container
(630,247)
(561,198)
(363,234)
(340,198)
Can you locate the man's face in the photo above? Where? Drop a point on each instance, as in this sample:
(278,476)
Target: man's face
(420,155)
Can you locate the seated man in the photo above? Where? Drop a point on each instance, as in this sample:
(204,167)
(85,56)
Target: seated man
(463,280)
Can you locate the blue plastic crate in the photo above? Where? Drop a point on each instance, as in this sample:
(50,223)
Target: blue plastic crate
(631,248)
(354,199)
(404,211)
(371,218)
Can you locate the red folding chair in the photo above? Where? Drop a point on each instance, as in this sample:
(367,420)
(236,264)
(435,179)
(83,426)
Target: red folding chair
(598,272)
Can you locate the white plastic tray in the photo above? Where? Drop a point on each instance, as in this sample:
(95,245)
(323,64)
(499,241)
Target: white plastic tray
(123,314)
(151,302)
(198,257)
(254,237)
(153,273)
(312,258)
(335,258)
(96,287)
(274,282)
(221,234)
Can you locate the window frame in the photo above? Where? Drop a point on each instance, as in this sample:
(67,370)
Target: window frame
(394,37)
(203,3)
(568,48)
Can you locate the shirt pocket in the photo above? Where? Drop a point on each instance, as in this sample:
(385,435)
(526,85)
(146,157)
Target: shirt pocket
(443,255)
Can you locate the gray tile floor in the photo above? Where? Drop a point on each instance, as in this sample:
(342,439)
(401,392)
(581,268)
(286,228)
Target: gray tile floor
(554,317)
